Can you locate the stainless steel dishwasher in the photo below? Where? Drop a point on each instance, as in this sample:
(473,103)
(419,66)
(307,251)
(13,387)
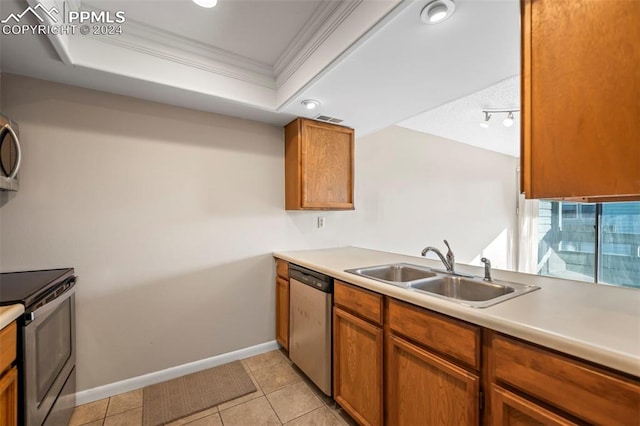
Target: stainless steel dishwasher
(311,299)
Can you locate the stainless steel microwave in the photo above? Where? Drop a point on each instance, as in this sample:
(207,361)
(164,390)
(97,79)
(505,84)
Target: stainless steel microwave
(10,154)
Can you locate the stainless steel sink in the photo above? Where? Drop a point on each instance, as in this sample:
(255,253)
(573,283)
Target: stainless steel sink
(398,273)
(474,292)
(465,290)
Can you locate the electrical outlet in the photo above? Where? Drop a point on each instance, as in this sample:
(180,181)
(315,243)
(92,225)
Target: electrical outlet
(320,222)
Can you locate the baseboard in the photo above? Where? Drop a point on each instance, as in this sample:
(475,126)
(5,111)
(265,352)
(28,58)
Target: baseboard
(138,382)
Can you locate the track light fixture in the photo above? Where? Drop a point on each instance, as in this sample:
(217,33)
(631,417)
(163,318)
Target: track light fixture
(508,122)
(485,123)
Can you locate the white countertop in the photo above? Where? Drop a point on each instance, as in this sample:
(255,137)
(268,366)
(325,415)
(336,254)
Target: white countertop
(10,313)
(595,322)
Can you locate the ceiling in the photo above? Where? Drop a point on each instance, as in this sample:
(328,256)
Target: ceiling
(460,119)
(372,63)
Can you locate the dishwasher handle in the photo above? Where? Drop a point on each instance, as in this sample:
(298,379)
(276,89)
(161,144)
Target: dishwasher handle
(311,278)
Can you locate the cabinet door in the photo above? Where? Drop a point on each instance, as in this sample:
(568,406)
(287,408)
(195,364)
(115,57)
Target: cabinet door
(327,175)
(318,166)
(357,367)
(282,312)
(424,389)
(580,106)
(9,398)
(508,409)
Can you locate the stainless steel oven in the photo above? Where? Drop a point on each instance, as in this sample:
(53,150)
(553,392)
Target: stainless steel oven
(46,344)
(49,356)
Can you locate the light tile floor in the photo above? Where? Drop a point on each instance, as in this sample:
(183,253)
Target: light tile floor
(284,396)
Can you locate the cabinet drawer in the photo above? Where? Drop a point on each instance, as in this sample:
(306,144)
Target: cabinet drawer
(8,341)
(448,336)
(509,409)
(363,303)
(282,268)
(585,391)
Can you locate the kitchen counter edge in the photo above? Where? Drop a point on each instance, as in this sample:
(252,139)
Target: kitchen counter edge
(10,313)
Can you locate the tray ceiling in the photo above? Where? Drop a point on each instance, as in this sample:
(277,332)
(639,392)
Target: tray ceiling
(372,63)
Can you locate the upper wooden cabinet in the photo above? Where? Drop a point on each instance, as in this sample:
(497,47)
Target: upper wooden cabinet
(318,166)
(580,100)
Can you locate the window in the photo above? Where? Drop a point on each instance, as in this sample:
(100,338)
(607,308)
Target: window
(569,210)
(590,242)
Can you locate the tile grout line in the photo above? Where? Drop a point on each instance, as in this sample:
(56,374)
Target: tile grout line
(273,409)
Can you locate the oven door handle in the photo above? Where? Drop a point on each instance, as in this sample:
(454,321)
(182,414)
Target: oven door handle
(31,316)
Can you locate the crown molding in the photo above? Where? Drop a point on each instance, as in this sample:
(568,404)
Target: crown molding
(59,42)
(142,38)
(150,40)
(160,43)
(325,20)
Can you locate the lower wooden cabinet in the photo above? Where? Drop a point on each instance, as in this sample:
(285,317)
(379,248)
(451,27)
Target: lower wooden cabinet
(578,389)
(282,303)
(399,364)
(424,389)
(8,376)
(282,312)
(509,409)
(9,398)
(357,367)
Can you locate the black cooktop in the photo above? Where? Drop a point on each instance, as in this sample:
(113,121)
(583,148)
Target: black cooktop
(29,286)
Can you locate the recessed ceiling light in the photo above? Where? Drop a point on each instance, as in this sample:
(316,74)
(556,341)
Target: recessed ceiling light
(437,11)
(310,104)
(206,3)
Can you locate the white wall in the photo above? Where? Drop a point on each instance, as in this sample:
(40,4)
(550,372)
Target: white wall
(170,216)
(415,190)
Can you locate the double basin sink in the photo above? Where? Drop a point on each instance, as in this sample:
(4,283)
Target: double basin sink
(460,288)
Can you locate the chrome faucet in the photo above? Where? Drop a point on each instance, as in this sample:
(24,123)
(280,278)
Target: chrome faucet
(449,262)
(487,269)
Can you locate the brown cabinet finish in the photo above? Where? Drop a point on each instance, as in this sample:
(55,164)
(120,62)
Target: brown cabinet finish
(448,336)
(8,343)
(8,376)
(282,269)
(424,389)
(580,105)
(364,303)
(282,312)
(509,409)
(9,398)
(577,388)
(282,303)
(318,166)
(357,367)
